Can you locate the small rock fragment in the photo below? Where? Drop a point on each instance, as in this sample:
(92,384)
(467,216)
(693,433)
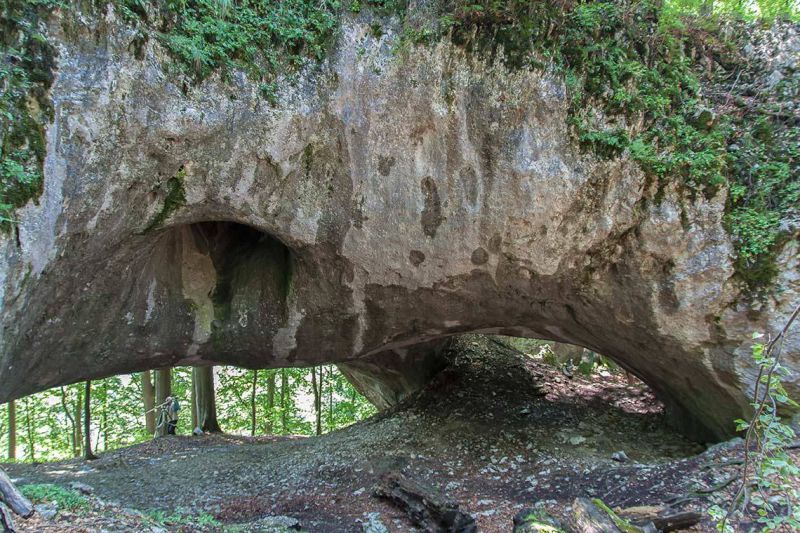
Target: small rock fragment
(83,488)
(48,511)
(620,457)
(374,524)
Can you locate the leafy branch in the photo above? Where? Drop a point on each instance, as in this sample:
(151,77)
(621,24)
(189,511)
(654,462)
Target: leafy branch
(767,467)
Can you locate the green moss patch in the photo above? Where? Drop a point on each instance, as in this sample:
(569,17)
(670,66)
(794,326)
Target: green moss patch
(26,73)
(65,499)
(174,199)
(265,38)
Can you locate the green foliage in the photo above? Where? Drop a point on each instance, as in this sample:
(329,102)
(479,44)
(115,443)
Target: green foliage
(766,10)
(26,63)
(47,422)
(265,38)
(280,414)
(65,499)
(631,86)
(770,486)
(287,410)
(174,199)
(765,162)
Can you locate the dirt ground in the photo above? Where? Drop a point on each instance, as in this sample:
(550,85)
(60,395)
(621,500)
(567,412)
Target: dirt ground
(497,432)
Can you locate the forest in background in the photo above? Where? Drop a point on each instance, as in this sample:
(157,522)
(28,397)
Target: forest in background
(49,425)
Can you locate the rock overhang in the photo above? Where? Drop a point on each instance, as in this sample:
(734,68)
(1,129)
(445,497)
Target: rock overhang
(382,204)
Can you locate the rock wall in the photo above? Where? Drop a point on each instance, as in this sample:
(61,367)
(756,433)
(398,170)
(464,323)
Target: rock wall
(384,202)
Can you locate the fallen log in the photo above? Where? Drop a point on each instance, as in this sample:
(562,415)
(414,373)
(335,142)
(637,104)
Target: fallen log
(6,522)
(676,521)
(663,518)
(13,497)
(424,505)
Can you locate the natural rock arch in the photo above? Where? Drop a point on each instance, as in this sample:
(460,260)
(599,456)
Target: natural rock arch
(373,210)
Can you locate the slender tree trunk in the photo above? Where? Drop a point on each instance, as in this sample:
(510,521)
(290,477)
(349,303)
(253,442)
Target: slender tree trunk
(270,401)
(195,423)
(253,404)
(206,400)
(330,398)
(12,430)
(284,392)
(103,418)
(163,388)
(87,422)
(29,424)
(163,384)
(149,399)
(78,426)
(317,400)
(76,449)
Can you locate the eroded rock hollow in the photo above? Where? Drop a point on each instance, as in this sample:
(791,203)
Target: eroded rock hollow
(381,205)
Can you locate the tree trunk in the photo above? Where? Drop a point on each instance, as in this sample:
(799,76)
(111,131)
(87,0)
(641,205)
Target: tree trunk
(195,423)
(163,388)
(6,520)
(330,398)
(12,431)
(203,378)
(317,400)
(253,404)
(587,517)
(149,399)
(76,449)
(163,384)
(103,419)
(29,424)
(424,504)
(270,401)
(284,392)
(78,412)
(87,422)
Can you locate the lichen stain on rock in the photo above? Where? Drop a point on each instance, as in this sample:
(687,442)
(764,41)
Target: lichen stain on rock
(431,217)
(385,164)
(479,256)
(495,243)
(470,183)
(416,257)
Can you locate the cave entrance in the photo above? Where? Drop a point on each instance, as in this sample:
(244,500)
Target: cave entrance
(224,287)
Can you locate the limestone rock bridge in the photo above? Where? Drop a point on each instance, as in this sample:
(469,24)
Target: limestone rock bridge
(364,219)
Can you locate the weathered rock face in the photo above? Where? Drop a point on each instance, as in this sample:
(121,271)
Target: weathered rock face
(387,378)
(385,202)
